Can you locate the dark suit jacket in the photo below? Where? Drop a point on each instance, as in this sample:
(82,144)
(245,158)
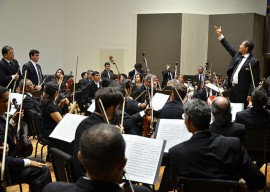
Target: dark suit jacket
(253,117)
(201,94)
(104,74)
(141,90)
(132,73)
(6,73)
(245,85)
(83,185)
(209,156)
(83,83)
(31,72)
(89,92)
(30,102)
(166,77)
(229,130)
(171,110)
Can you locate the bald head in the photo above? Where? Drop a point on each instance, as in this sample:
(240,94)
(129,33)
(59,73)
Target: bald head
(221,110)
(222,103)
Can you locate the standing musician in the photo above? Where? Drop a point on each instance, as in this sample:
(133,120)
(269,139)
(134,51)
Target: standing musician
(34,72)
(10,74)
(239,71)
(21,170)
(107,73)
(167,75)
(138,69)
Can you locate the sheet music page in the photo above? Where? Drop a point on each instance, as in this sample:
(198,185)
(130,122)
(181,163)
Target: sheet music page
(174,131)
(214,87)
(159,101)
(92,107)
(236,107)
(66,128)
(144,156)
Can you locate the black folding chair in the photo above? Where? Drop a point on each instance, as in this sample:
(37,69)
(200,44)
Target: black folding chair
(207,185)
(62,165)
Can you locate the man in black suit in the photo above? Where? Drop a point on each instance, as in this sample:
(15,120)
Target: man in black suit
(34,72)
(102,153)
(137,70)
(239,74)
(204,93)
(201,77)
(20,170)
(83,81)
(174,109)
(10,73)
(107,73)
(209,156)
(222,124)
(92,87)
(167,75)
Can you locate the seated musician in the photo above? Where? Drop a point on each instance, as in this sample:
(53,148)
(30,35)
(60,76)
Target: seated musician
(51,112)
(20,170)
(137,70)
(209,156)
(107,72)
(111,99)
(141,92)
(222,120)
(173,109)
(102,154)
(206,92)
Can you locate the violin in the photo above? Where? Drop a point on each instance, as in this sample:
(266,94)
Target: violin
(69,84)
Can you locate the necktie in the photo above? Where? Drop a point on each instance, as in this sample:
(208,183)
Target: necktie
(12,67)
(200,77)
(39,76)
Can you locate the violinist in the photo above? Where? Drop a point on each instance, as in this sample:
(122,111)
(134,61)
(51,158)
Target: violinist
(107,72)
(174,108)
(59,79)
(21,170)
(206,92)
(111,99)
(137,69)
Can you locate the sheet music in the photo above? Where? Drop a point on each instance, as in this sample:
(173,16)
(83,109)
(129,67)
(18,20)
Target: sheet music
(159,101)
(92,107)
(174,131)
(144,156)
(236,107)
(66,128)
(214,87)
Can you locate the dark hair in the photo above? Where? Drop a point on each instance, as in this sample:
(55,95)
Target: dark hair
(5,49)
(259,98)
(106,82)
(59,70)
(107,63)
(50,89)
(124,75)
(32,52)
(83,74)
(102,149)
(2,91)
(110,96)
(249,44)
(221,112)
(199,114)
(120,86)
(182,90)
(95,73)
(141,77)
(138,66)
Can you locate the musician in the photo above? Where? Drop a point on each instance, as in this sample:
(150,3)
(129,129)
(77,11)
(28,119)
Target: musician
(9,69)
(51,112)
(181,79)
(222,120)
(204,93)
(83,82)
(102,154)
(59,79)
(167,75)
(201,76)
(111,99)
(21,170)
(174,108)
(123,76)
(209,156)
(29,102)
(239,74)
(138,79)
(34,72)
(107,71)
(91,88)
(138,69)
(144,89)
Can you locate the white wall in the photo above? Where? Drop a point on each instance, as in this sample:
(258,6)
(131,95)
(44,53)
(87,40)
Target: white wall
(64,29)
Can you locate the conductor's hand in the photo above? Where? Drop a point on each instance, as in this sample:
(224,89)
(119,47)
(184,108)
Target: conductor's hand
(218,31)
